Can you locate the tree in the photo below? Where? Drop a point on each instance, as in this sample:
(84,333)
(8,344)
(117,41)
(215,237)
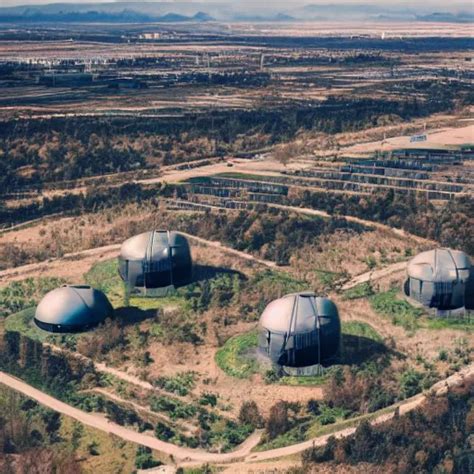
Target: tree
(250,415)
(278,422)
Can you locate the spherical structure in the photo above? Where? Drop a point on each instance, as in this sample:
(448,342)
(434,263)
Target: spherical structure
(72,308)
(156,259)
(300,330)
(438,278)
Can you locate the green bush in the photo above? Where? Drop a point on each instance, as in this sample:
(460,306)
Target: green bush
(180,384)
(174,408)
(208,399)
(410,383)
(144,458)
(163,432)
(400,311)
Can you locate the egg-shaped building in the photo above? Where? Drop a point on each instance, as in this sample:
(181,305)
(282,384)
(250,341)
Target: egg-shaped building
(300,330)
(438,278)
(156,259)
(72,308)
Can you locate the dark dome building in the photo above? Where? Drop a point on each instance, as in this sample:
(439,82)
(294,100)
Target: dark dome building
(156,259)
(300,330)
(439,278)
(72,308)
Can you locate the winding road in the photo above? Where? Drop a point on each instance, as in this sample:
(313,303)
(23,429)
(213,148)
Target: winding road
(187,456)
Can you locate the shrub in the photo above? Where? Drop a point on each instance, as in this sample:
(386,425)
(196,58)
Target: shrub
(249,414)
(19,295)
(410,383)
(278,422)
(144,458)
(180,384)
(443,354)
(174,408)
(208,399)
(163,432)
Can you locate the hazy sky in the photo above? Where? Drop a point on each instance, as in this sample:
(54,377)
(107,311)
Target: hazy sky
(279,3)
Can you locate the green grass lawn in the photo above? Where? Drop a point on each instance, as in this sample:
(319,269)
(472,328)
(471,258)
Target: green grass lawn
(400,311)
(358,328)
(303,381)
(465,324)
(22,322)
(236,358)
(105,277)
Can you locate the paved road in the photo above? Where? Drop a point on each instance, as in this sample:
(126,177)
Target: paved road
(187,456)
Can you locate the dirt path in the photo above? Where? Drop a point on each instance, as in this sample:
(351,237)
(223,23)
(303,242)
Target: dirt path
(56,266)
(356,220)
(410,404)
(184,425)
(188,456)
(239,165)
(99,422)
(373,275)
(238,253)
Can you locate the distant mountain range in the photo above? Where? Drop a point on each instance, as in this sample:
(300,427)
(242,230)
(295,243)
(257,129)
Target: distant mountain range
(176,12)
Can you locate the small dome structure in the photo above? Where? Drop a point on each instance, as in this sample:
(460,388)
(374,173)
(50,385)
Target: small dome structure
(438,278)
(300,330)
(72,308)
(156,259)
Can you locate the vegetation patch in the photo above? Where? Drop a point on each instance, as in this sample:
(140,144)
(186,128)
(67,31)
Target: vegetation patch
(19,295)
(363,290)
(172,407)
(104,276)
(361,329)
(443,431)
(22,322)
(461,324)
(180,384)
(43,440)
(399,311)
(236,357)
(237,175)
(328,279)
(310,380)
